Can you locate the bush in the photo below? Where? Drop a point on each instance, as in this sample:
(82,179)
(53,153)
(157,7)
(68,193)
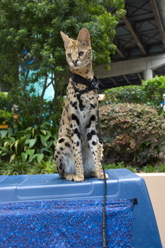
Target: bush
(130,94)
(31,144)
(151,93)
(132,133)
(154,89)
(30,112)
(28,109)
(5,116)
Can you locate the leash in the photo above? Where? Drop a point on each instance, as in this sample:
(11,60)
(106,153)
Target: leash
(105,186)
(94,85)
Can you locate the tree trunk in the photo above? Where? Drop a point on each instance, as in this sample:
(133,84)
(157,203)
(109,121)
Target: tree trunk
(41,101)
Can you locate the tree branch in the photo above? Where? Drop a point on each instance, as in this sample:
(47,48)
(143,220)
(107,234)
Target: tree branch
(41,101)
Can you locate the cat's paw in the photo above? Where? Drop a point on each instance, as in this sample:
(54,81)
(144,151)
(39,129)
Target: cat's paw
(69,177)
(101,176)
(106,176)
(79,178)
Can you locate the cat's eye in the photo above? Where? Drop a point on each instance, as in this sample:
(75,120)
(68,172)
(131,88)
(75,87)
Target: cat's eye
(80,53)
(69,55)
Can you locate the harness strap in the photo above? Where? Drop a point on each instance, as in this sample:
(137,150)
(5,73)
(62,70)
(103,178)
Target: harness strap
(91,84)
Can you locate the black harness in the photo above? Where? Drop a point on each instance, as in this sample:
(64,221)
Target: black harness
(92,85)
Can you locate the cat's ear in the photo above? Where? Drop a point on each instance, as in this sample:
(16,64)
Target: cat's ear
(84,37)
(65,39)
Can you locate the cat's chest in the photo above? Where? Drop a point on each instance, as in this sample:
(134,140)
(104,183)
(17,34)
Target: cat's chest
(85,110)
(83,105)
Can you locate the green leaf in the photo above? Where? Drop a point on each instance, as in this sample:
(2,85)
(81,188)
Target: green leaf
(12,158)
(50,143)
(44,132)
(6,144)
(43,140)
(22,140)
(6,150)
(44,150)
(40,157)
(30,152)
(16,145)
(24,156)
(32,142)
(3,154)
(33,131)
(12,139)
(31,158)
(10,130)
(28,136)
(3,133)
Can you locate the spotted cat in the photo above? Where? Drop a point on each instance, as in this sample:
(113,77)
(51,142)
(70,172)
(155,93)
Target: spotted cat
(77,151)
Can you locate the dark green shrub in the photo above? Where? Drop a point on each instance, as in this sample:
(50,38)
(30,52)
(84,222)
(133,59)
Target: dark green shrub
(31,144)
(132,133)
(151,93)
(154,89)
(30,112)
(130,94)
(5,115)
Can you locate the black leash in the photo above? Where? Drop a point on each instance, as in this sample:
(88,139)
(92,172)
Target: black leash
(105,186)
(93,85)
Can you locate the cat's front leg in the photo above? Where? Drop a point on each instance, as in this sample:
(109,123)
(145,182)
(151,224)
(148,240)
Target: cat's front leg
(94,146)
(76,144)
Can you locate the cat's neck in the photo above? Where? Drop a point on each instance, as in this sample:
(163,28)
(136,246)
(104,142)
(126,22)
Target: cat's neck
(85,72)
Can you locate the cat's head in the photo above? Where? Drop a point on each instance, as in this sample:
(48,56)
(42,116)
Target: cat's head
(78,52)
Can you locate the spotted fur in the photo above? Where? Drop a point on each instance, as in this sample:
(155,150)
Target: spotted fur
(77,154)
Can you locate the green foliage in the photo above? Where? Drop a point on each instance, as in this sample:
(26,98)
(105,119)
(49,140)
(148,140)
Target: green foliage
(3,95)
(5,116)
(47,167)
(132,133)
(30,39)
(32,144)
(160,168)
(151,93)
(153,169)
(29,114)
(20,168)
(119,166)
(146,169)
(149,169)
(154,89)
(130,94)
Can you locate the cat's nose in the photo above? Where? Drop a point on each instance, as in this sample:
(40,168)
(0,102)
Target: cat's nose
(75,61)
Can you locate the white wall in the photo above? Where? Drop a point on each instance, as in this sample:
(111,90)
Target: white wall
(155,183)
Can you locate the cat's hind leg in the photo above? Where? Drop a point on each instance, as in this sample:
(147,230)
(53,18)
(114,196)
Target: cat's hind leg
(64,158)
(94,147)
